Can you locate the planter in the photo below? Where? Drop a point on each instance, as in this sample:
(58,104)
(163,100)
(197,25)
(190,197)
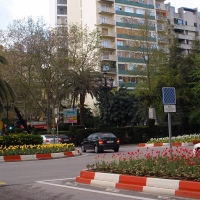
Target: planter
(12,158)
(142,145)
(175,144)
(158,144)
(196,141)
(43,156)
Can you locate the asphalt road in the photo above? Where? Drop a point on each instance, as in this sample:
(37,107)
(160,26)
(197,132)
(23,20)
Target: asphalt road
(54,179)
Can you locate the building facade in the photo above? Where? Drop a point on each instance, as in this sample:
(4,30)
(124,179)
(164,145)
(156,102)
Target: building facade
(120,23)
(186,24)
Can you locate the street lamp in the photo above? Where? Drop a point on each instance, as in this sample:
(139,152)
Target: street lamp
(106,86)
(7,108)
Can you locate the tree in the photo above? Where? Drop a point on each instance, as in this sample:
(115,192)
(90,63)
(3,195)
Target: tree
(38,61)
(83,62)
(124,108)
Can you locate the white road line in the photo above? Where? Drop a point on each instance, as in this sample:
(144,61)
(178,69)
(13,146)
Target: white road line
(58,179)
(96,191)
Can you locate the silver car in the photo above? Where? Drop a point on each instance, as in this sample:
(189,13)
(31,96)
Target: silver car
(48,139)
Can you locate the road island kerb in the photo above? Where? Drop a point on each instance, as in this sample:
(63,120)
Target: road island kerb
(15,158)
(175,144)
(178,188)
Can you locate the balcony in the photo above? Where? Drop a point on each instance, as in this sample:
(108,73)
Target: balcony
(110,35)
(119,12)
(109,58)
(135,37)
(137,4)
(127,84)
(107,22)
(131,60)
(109,70)
(131,72)
(62,2)
(106,1)
(136,26)
(107,11)
(108,47)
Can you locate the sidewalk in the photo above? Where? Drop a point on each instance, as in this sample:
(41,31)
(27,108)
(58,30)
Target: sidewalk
(16,158)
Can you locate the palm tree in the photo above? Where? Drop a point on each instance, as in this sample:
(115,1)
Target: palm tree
(6,92)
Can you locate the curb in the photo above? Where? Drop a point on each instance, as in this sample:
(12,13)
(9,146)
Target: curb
(16,158)
(179,188)
(174,144)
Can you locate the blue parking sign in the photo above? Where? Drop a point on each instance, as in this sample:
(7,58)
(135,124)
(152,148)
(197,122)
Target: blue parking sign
(169,95)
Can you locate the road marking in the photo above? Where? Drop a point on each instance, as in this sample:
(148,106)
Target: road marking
(95,191)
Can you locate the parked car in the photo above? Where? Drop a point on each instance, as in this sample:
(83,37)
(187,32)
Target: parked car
(48,139)
(100,142)
(64,139)
(196,149)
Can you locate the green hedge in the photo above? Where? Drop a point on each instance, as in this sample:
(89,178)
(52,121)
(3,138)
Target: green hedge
(20,139)
(127,135)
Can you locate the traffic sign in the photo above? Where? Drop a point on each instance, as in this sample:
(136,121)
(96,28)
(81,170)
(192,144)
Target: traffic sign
(168,95)
(169,108)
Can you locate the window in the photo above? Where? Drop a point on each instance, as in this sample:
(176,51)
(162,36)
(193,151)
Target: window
(185,23)
(103,20)
(121,79)
(121,66)
(152,46)
(179,22)
(132,79)
(140,11)
(151,13)
(141,21)
(105,43)
(120,53)
(106,68)
(118,8)
(159,27)
(129,20)
(152,34)
(131,67)
(104,8)
(186,32)
(152,24)
(104,31)
(158,6)
(120,19)
(195,24)
(120,43)
(140,1)
(105,55)
(129,9)
(151,2)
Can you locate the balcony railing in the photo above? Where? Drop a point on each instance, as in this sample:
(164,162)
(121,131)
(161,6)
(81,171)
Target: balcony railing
(132,3)
(107,22)
(61,1)
(127,84)
(107,10)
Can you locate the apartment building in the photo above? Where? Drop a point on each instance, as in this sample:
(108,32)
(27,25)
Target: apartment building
(186,24)
(57,12)
(116,18)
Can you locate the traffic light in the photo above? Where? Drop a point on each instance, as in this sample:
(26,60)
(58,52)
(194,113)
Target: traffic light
(10,127)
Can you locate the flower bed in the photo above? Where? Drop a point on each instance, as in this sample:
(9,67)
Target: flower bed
(169,163)
(34,149)
(183,138)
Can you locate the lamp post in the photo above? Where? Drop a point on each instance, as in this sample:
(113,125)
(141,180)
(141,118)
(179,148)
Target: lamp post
(106,86)
(7,108)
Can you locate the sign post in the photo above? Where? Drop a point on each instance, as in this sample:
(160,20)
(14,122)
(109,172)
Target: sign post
(169,102)
(57,121)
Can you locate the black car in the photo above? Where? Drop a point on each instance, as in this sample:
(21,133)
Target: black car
(64,139)
(100,142)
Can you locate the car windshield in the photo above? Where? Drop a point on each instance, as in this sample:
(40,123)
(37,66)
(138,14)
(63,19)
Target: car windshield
(48,136)
(63,136)
(107,135)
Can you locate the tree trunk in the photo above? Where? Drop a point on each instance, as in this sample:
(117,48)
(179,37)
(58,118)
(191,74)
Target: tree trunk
(82,101)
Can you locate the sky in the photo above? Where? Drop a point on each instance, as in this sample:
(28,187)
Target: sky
(18,9)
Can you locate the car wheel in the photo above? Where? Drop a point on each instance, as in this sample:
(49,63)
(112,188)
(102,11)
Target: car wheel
(96,149)
(83,149)
(116,149)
